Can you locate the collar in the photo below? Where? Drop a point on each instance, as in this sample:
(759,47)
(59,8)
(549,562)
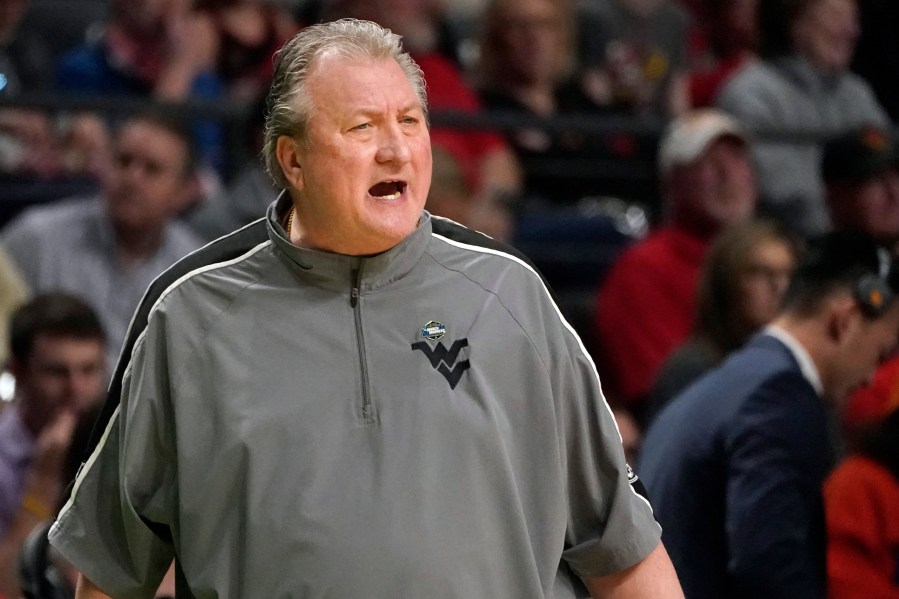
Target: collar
(339,271)
(802,357)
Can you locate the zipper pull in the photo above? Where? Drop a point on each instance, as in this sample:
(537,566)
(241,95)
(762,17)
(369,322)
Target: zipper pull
(354,293)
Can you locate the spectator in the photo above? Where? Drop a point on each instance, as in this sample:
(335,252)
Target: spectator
(151,49)
(57,359)
(32,143)
(861,173)
(248,33)
(861,501)
(526,68)
(292,331)
(108,249)
(450,197)
(646,304)
(635,56)
(740,289)
(722,44)
(735,464)
(801,91)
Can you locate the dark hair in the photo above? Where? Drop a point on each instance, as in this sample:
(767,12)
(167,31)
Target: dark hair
(54,314)
(717,319)
(175,123)
(835,261)
(775,23)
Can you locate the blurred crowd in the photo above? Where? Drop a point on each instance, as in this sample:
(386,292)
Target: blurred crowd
(741,130)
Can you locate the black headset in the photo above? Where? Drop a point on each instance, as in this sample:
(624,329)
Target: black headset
(872,292)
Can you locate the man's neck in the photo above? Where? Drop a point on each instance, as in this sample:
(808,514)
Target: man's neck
(135,246)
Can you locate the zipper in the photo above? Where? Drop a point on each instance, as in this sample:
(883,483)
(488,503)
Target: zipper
(368,416)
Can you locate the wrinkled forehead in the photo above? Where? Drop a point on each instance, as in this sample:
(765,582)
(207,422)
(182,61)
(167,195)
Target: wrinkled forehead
(337,81)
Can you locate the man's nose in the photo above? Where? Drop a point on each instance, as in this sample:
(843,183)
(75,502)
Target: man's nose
(393,146)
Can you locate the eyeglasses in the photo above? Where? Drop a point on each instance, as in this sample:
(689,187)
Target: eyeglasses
(769,273)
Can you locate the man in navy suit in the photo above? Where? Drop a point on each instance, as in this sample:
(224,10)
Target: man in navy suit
(734,465)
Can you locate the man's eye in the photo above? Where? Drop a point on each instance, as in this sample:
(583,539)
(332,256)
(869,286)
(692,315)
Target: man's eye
(362,126)
(410,120)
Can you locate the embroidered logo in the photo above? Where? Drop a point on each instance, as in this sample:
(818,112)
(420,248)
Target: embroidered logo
(444,360)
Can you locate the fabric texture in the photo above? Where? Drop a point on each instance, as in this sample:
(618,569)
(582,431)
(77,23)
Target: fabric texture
(297,423)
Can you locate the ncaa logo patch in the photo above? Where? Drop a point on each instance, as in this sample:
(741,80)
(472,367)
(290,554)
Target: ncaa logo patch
(433,331)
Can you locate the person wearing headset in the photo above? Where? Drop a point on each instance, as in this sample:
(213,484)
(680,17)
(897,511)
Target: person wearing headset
(735,463)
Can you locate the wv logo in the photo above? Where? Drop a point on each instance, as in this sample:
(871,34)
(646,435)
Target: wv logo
(444,361)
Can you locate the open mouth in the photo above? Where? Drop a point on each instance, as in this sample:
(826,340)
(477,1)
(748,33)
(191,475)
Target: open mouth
(388,190)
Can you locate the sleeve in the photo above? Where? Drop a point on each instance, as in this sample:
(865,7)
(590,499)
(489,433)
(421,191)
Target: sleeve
(610,525)
(860,559)
(774,520)
(117,526)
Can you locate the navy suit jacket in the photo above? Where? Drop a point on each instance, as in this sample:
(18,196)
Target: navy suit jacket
(734,467)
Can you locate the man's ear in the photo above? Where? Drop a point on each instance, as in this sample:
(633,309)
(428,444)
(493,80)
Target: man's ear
(844,316)
(289,159)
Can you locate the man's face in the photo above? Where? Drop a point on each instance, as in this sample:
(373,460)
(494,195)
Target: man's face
(531,40)
(716,190)
(871,206)
(147,184)
(863,349)
(61,373)
(826,33)
(363,179)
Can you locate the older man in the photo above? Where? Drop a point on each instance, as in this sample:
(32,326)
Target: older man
(645,306)
(351,399)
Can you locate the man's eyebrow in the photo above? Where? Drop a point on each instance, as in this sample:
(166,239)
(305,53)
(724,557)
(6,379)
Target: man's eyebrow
(370,112)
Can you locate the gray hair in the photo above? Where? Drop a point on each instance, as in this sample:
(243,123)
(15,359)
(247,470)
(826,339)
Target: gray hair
(288,105)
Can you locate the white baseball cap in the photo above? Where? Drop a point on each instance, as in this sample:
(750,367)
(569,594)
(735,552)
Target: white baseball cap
(688,136)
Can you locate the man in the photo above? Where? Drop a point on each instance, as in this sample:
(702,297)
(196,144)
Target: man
(57,352)
(645,306)
(735,464)
(108,249)
(801,88)
(351,399)
(861,173)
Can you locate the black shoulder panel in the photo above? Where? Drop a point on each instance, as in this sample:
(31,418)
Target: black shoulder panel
(456,232)
(221,250)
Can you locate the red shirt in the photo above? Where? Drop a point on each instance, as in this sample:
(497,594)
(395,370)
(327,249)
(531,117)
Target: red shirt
(861,499)
(645,309)
(447,90)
